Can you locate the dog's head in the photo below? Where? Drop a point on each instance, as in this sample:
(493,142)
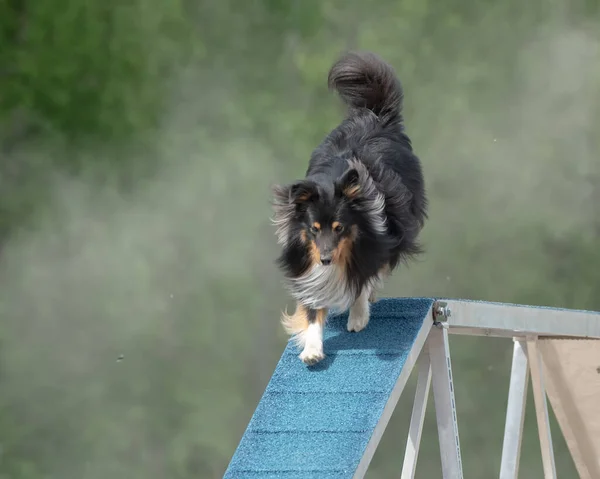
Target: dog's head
(328,216)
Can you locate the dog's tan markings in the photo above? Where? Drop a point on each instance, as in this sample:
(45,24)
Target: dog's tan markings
(304,197)
(306,334)
(303,236)
(296,324)
(352,191)
(315,254)
(298,321)
(343,251)
(335,224)
(321,316)
(317,225)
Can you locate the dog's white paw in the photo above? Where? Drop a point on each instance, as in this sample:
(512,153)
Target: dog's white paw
(357,321)
(312,354)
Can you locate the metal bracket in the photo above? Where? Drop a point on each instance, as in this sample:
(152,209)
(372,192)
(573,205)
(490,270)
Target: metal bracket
(441,312)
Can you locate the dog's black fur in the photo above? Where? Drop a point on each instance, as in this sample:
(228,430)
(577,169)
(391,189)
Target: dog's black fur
(365,177)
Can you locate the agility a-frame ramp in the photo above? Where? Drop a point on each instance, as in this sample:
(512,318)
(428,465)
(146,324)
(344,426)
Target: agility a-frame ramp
(325,421)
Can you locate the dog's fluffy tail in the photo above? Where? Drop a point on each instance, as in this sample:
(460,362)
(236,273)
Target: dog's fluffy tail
(364,80)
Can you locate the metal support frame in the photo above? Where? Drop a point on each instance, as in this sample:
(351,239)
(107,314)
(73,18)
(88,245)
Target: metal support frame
(515,412)
(524,324)
(509,320)
(409,465)
(541,408)
(445,405)
(435,366)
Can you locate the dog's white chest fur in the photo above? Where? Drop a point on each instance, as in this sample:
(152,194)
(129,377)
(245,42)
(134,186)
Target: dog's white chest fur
(323,287)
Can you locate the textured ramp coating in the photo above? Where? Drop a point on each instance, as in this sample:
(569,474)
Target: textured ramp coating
(315,422)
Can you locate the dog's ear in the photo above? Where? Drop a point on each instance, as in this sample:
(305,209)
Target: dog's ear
(303,192)
(349,183)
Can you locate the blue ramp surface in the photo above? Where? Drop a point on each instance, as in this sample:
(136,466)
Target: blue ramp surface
(316,422)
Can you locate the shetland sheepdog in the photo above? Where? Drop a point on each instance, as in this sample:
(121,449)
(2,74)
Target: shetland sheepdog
(359,210)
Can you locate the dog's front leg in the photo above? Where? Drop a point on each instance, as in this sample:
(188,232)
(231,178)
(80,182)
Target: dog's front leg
(313,336)
(306,327)
(359,311)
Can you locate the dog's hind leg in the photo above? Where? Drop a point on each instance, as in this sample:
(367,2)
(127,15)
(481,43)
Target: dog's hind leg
(359,311)
(383,274)
(372,296)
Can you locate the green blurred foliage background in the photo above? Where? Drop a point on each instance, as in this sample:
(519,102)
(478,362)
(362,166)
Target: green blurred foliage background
(139,301)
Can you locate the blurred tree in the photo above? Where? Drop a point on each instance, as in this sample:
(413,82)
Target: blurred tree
(138,296)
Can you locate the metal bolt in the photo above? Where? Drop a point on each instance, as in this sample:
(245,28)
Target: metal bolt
(441,312)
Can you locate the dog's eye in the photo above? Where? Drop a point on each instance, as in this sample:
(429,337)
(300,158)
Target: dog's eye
(314,230)
(338,228)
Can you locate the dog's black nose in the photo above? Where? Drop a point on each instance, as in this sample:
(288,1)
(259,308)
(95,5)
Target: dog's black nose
(325,261)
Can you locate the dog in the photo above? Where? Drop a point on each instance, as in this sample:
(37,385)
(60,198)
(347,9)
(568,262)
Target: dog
(359,210)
